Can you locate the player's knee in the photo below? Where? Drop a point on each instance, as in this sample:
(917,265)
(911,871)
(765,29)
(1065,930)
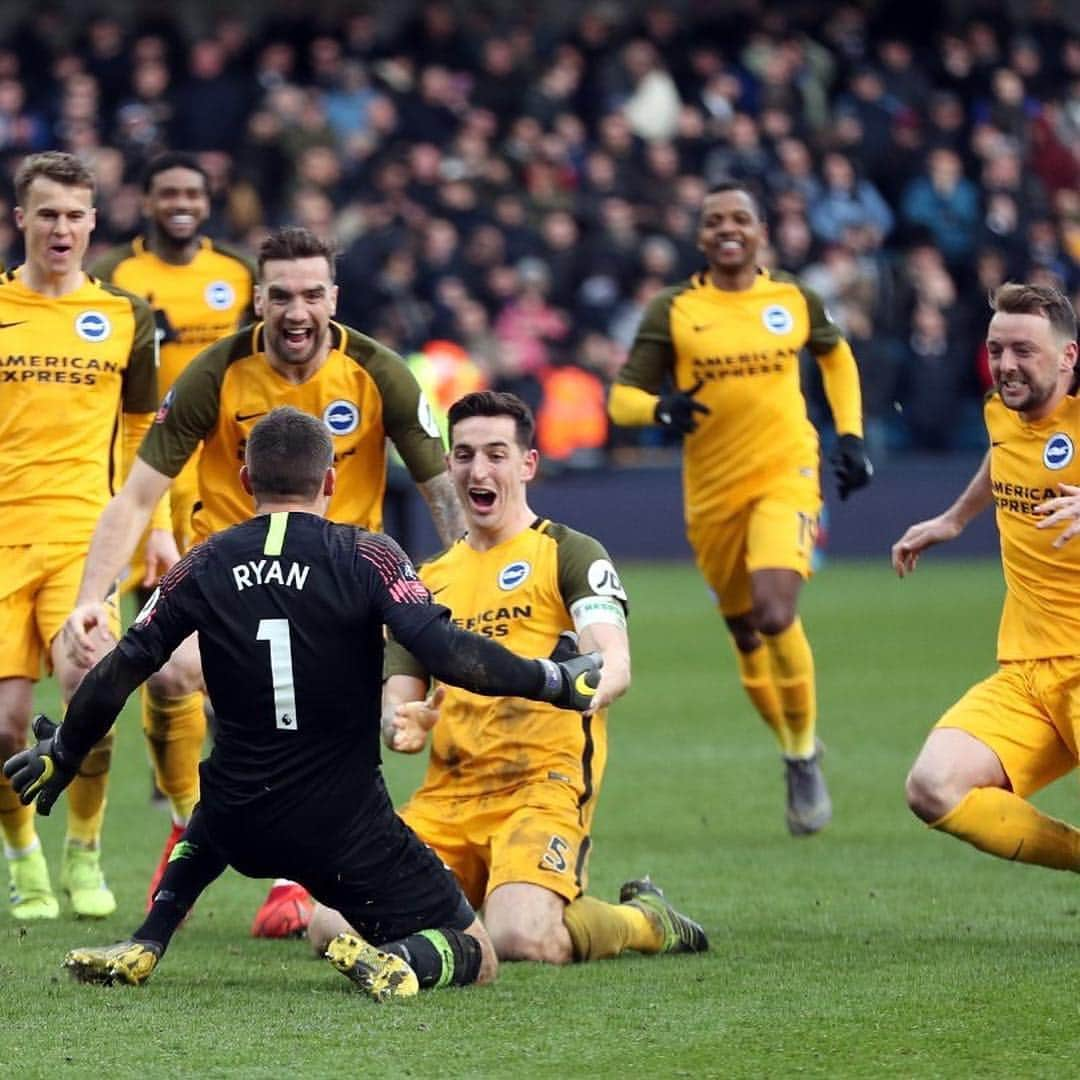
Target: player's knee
(773,615)
(174,680)
(931,792)
(521,943)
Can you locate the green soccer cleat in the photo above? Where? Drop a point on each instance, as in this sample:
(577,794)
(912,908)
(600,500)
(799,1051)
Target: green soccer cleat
(127,962)
(681,935)
(379,975)
(809,808)
(84,883)
(31,893)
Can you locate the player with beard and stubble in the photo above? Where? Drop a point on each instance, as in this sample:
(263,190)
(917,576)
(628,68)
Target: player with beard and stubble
(295,355)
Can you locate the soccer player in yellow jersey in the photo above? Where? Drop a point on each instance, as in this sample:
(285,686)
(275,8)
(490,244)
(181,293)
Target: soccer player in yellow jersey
(201,291)
(1017,731)
(296,355)
(78,366)
(728,341)
(511,786)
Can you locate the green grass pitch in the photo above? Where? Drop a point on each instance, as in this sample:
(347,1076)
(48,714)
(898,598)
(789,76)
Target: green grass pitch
(875,949)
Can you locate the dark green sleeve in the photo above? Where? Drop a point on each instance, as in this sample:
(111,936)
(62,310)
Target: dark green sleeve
(407,415)
(189,411)
(585,568)
(397,660)
(104,266)
(652,355)
(140,393)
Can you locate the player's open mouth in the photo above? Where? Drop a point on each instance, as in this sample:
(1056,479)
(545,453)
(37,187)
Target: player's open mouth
(481,498)
(182,220)
(296,337)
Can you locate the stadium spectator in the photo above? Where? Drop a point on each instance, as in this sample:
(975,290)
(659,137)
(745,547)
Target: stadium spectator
(722,369)
(200,291)
(519,843)
(58,460)
(295,355)
(944,201)
(847,201)
(314,705)
(1014,733)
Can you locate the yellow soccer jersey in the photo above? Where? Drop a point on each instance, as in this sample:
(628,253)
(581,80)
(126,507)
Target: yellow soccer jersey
(70,367)
(744,346)
(520,593)
(194,305)
(364,393)
(1041,614)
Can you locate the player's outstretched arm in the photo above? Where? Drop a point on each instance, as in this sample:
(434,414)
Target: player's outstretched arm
(121,524)
(976,497)
(1062,510)
(613,644)
(445,507)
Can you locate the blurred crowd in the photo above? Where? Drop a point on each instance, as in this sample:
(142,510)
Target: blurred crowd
(509,185)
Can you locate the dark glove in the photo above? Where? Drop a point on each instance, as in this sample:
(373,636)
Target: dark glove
(677,409)
(570,684)
(566,648)
(851,466)
(41,771)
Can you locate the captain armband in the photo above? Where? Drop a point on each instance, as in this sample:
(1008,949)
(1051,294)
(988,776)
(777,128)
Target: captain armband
(592,610)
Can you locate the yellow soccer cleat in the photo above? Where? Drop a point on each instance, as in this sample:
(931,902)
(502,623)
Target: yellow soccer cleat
(680,934)
(127,962)
(378,974)
(31,893)
(84,883)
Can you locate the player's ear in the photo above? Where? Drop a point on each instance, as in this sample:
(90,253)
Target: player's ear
(20,218)
(245,480)
(257,301)
(329,483)
(333,299)
(530,463)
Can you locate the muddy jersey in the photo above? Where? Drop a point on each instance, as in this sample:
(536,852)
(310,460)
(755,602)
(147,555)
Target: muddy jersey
(194,304)
(1041,614)
(73,371)
(744,347)
(364,393)
(521,593)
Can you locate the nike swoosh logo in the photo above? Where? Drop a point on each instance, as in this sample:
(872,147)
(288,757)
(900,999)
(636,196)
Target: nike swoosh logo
(581,685)
(8,325)
(1000,442)
(704,326)
(243,417)
(435,592)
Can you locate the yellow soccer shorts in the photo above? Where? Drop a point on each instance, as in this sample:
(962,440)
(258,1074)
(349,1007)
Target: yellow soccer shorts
(535,835)
(1028,713)
(773,530)
(183,495)
(39,584)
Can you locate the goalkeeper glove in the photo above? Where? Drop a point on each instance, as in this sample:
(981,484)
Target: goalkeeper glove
(570,684)
(851,466)
(677,409)
(41,771)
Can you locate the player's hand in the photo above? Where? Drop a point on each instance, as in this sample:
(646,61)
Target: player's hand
(1057,511)
(161,555)
(411,722)
(43,771)
(678,410)
(571,684)
(87,634)
(920,536)
(851,466)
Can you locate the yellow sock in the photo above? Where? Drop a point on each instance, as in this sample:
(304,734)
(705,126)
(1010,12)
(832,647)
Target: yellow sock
(175,729)
(755,673)
(1001,823)
(16,820)
(793,666)
(599,930)
(86,795)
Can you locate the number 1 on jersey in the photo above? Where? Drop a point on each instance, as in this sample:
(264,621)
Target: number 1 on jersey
(276,631)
